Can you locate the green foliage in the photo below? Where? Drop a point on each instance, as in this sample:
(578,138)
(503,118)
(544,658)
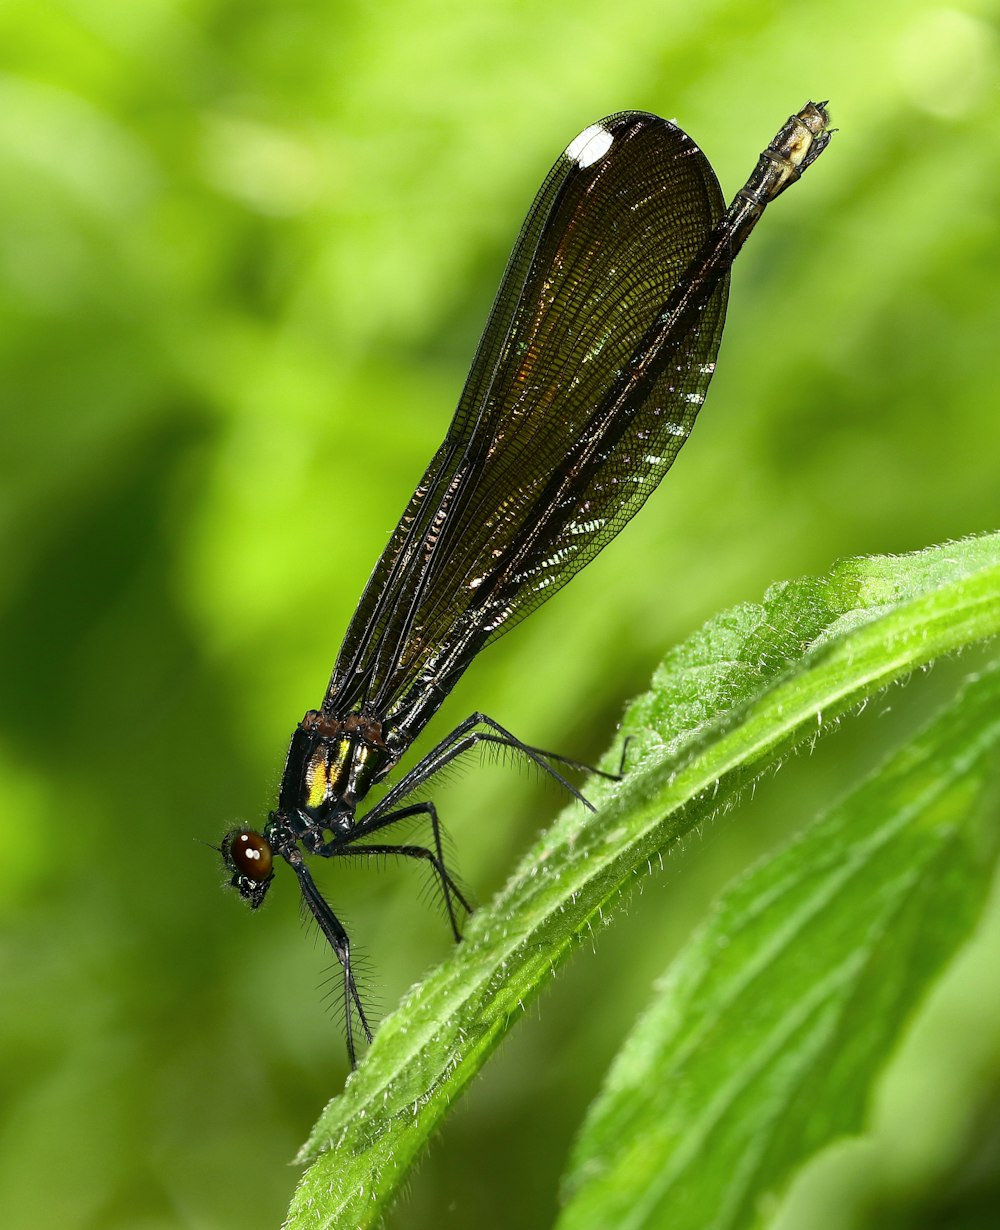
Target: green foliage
(768,1034)
(763,680)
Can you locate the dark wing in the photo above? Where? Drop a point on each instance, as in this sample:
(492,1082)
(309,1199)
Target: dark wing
(582,391)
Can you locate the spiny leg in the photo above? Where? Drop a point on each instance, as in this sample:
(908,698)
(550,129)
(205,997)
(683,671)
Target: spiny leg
(339,941)
(375,821)
(463,738)
(387,812)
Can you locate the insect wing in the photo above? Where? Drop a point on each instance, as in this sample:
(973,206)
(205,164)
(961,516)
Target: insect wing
(548,454)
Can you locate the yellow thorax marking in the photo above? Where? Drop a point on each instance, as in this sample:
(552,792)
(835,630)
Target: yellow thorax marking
(324,771)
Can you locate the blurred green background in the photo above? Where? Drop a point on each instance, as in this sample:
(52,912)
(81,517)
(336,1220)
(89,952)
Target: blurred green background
(246,250)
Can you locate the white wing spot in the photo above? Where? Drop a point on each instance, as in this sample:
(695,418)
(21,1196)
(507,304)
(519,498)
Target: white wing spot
(586,527)
(590,146)
(676,429)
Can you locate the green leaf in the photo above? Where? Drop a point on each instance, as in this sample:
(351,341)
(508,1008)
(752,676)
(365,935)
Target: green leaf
(768,1032)
(726,707)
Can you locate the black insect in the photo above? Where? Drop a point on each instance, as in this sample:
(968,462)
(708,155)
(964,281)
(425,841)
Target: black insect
(595,361)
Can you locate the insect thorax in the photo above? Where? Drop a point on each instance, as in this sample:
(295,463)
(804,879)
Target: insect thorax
(332,764)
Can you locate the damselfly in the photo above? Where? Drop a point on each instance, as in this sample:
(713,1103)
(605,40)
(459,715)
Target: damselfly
(594,363)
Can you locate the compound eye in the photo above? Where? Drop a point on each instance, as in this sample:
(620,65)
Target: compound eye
(251,854)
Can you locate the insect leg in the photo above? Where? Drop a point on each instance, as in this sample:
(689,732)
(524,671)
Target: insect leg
(338,940)
(376,820)
(462,739)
